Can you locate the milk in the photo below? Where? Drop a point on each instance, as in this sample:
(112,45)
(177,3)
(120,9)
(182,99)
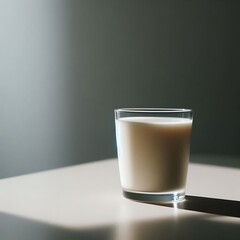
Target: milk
(153,153)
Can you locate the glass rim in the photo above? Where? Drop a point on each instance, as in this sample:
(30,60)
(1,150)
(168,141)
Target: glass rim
(154,110)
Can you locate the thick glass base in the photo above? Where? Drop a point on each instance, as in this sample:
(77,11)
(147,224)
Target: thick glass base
(155,197)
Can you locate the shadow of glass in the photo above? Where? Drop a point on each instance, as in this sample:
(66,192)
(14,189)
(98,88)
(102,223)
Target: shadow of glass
(222,207)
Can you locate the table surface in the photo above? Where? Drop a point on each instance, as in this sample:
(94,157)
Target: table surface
(85,202)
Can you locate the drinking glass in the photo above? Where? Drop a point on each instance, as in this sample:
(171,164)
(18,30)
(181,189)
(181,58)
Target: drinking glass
(153,147)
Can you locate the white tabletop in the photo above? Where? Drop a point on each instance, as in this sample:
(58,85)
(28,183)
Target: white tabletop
(85,202)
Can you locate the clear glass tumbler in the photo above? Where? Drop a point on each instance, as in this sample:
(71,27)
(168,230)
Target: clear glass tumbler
(153,152)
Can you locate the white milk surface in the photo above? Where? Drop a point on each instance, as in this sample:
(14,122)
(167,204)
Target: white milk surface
(153,153)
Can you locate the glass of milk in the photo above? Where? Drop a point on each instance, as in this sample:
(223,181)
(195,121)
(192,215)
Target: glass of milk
(153,152)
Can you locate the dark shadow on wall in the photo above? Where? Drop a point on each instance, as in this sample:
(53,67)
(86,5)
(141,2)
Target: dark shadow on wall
(154,54)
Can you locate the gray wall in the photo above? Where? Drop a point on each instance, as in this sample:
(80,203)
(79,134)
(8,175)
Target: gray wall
(65,65)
